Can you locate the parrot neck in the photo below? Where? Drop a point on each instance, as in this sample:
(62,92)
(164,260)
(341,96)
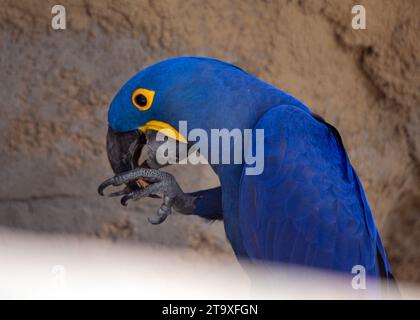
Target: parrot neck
(229,173)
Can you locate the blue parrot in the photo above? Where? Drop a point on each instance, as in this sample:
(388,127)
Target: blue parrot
(306,208)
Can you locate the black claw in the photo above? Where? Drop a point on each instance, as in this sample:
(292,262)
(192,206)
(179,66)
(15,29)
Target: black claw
(106,184)
(124,200)
(134,195)
(163,212)
(158,220)
(101,188)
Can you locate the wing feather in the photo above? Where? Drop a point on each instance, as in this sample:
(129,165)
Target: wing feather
(308,206)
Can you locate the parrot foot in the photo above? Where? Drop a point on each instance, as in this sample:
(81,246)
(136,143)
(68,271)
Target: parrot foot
(163,212)
(151,175)
(160,182)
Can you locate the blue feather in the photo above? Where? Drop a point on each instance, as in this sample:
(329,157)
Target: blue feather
(310,209)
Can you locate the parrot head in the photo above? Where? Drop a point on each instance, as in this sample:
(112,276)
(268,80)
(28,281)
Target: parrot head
(206,93)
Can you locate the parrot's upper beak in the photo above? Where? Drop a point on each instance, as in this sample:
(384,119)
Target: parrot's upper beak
(124,149)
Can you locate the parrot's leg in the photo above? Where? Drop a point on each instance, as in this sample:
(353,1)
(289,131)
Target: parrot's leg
(161,182)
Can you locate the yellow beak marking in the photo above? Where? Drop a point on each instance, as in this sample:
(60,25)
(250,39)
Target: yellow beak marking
(163,128)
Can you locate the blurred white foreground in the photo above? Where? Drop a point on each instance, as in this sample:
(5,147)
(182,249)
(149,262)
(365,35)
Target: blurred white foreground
(64,267)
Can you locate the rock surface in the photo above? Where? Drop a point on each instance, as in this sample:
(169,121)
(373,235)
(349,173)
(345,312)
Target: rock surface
(57,85)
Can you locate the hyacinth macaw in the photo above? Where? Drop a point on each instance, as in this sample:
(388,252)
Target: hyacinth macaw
(307,207)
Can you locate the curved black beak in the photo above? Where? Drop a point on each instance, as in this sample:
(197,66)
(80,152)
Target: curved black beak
(124,149)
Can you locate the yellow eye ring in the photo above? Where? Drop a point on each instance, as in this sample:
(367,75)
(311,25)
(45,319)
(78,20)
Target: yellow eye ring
(143,99)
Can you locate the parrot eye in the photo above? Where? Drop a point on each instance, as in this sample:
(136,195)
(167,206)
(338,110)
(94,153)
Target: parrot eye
(142,99)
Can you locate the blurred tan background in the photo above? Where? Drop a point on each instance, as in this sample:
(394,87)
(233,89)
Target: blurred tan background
(56,86)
